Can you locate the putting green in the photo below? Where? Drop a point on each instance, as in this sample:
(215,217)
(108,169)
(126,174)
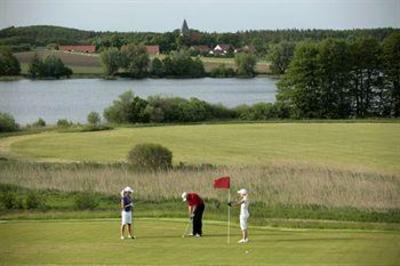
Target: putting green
(159,242)
(359,145)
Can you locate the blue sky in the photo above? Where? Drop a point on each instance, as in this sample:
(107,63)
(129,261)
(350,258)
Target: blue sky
(205,15)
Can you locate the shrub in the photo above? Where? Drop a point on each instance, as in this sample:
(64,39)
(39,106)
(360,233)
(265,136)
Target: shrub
(135,60)
(52,66)
(39,123)
(128,108)
(86,201)
(157,68)
(149,156)
(64,123)
(10,200)
(34,201)
(111,61)
(7,123)
(9,64)
(245,63)
(180,64)
(93,119)
(221,71)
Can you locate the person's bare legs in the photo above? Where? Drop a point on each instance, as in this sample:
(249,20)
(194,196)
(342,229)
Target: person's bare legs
(122,230)
(245,234)
(130,230)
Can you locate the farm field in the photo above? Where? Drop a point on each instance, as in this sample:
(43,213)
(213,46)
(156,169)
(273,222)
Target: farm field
(159,242)
(373,146)
(90,63)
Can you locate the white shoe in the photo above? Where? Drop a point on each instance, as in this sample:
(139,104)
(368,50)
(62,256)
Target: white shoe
(197,235)
(241,241)
(122,238)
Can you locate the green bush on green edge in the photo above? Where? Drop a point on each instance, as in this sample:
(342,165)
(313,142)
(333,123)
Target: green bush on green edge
(149,156)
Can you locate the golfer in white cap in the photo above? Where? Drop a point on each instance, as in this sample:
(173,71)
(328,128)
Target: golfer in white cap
(243,202)
(126,212)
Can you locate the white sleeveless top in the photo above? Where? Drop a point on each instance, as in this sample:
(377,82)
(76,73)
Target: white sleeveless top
(244,206)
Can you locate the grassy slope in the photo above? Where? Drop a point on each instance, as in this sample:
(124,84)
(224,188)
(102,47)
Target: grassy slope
(159,242)
(79,63)
(360,145)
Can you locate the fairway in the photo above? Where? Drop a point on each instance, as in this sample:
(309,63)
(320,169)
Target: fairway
(345,145)
(159,242)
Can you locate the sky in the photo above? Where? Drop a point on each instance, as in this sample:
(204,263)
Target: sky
(204,15)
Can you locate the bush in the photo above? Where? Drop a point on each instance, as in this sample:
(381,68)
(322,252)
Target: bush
(245,64)
(127,109)
(7,123)
(51,67)
(86,201)
(64,123)
(10,200)
(93,119)
(222,71)
(180,64)
(39,123)
(34,201)
(9,65)
(150,156)
(157,68)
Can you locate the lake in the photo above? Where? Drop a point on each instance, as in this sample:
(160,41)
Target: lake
(27,100)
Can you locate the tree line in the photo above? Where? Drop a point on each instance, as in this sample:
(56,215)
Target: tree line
(133,61)
(343,79)
(33,36)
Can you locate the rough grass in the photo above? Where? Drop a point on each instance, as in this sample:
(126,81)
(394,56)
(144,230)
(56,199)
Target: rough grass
(344,146)
(273,186)
(159,242)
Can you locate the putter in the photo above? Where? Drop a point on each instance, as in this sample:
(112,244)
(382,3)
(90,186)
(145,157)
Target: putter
(187,229)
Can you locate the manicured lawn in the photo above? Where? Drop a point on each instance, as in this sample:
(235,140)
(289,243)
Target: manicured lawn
(159,242)
(358,145)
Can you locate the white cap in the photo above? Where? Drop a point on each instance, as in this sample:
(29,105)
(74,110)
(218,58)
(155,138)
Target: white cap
(184,196)
(242,191)
(128,189)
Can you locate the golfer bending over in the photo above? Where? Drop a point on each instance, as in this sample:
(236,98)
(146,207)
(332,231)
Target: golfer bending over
(196,209)
(243,202)
(126,211)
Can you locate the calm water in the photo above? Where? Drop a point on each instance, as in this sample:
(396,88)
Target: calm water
(73,99)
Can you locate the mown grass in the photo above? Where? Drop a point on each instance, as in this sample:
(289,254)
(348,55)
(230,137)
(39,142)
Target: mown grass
(159,242)
(373,146)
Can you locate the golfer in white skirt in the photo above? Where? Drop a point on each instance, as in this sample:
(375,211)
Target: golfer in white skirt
(126,212)
(243,202)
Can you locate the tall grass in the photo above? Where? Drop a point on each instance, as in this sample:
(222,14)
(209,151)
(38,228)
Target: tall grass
(272,185)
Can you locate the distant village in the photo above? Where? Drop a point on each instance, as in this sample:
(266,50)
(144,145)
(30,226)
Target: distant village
(220,50)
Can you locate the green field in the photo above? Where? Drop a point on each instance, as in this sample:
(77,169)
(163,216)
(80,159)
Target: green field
(373,146)
(159,242)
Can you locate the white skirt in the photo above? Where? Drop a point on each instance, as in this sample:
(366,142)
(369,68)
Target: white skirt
(243,221)
(126,217)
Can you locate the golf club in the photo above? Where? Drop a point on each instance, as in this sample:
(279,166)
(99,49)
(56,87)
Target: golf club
(187,228)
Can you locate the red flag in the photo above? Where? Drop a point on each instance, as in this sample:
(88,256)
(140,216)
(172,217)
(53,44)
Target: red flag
(222,182)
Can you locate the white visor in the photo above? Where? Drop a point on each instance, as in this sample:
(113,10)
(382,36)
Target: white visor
(242,191)
(184,196)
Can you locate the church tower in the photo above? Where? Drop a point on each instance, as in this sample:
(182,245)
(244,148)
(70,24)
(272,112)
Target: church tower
(185,31)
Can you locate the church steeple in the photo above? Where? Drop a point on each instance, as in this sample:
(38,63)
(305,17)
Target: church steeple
(185,28)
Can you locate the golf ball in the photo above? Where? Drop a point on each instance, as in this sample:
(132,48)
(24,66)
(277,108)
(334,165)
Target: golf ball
(246,252)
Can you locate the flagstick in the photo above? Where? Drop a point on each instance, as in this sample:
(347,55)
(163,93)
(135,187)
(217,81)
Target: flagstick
(229,218)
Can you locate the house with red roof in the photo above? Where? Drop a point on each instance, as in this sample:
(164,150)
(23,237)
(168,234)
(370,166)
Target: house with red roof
(78,48)
(152,49)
